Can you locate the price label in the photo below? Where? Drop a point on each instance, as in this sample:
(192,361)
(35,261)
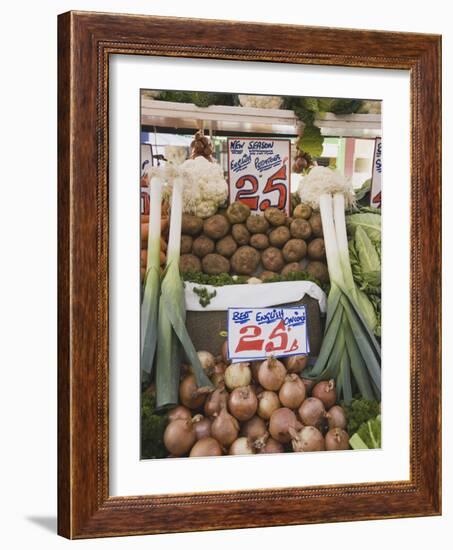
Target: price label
(376,186)
(259,172)
(257,333)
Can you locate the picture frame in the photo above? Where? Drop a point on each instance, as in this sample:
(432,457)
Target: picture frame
(86,41)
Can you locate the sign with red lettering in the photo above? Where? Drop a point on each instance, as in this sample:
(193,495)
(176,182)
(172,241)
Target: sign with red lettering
(376,185)
(258,333)
(259,172)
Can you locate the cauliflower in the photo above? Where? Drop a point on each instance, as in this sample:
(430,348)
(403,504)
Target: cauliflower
(327,180)
(176,154)
(205,188)
(261,101)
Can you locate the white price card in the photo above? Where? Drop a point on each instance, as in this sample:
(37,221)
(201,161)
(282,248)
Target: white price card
(258,333)
(259,172)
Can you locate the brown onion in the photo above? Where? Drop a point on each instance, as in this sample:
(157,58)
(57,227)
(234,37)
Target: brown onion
(268,402)
(179,413)
(325,390)
(296,363)
(179,436)
(281,421)
(337,440)
(336,417)
(241,446)
(208,446)
(202,426)
(237,375)
(254,366)
(254,428)
(242,403)
(225,351)
(189,393)
(292,392)
(312,412)
(307,439)
(216,401)
(225,428)
(218,375)
(271,446)
(271,374)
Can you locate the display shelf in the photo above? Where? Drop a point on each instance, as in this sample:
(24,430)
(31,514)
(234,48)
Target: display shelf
(231,119)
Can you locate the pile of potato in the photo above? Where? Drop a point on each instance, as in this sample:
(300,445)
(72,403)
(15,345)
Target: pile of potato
(238,242)
(260,407)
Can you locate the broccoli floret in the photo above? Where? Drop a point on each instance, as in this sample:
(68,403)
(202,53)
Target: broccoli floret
(152,428)
(360,411)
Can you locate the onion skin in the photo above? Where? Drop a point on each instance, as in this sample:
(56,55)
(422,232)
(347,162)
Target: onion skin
(268,402)
(337,440)
(325,390)
(189,394)
(242,403)
(295,363)
(208,446)
(254,428)
(180,412)
(280,423)
(271,374)
(241,446)
(216,401)
(336,418)
(179,437)
(308,439)
(201,426)
(292,393)
(271,446)
(312,412)
(207,361)
(225,428)
(237,375)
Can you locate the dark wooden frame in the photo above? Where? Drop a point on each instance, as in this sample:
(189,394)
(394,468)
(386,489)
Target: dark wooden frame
(85,41)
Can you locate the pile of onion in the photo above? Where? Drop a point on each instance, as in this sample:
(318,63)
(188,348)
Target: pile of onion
(255,408)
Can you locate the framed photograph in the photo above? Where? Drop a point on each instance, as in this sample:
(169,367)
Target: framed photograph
(249,275)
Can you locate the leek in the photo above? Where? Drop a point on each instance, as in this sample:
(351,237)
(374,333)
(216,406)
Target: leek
(173,338)
(150,302)
(349,353)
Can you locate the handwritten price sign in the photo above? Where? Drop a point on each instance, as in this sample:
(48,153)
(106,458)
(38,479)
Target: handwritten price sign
(376,184)
(257,333)
(259,172)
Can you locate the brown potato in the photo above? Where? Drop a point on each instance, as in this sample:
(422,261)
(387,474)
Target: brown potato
(316,224)
(279,236)
(189,262)
(300,229)
(293,267)
(260,241)
(186,244)
(265,275)
(245,260)
(319,271)
(316,249)
(302,211)
(272,259)
(203,245)
(240,234)
(237,212)
(191,225)
(214,264)
(294,250)
(275,216)
(216,226)
(226,246)
(257,224)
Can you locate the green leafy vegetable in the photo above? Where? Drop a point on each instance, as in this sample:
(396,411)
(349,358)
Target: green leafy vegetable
(311,141)
(368,436)
(359,411)
(369,222)
(152,428)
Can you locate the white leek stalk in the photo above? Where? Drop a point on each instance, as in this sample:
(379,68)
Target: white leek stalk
(150,302)
(173,337)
